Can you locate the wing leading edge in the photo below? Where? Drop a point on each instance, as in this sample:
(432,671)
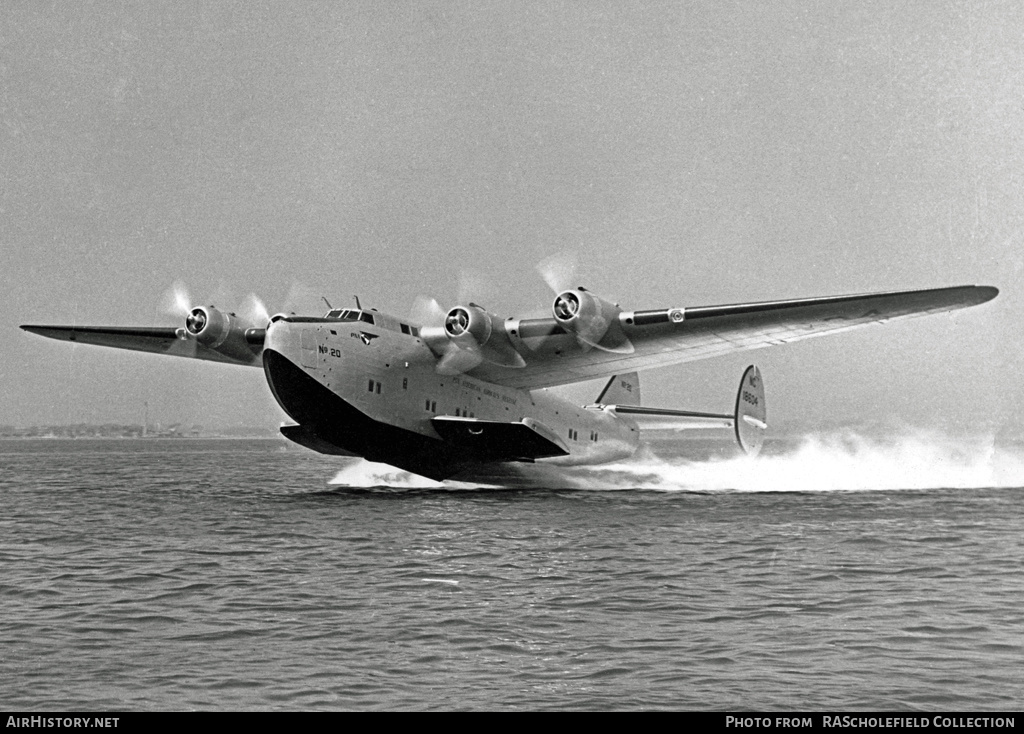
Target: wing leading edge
(673,336)
(157,340)
(658,337)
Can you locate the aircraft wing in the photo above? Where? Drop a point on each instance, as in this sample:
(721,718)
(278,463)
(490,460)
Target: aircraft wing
(672,336)
(158,340)
(527,439)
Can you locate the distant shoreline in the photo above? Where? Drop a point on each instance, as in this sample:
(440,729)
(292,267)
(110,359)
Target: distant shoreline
(264,437)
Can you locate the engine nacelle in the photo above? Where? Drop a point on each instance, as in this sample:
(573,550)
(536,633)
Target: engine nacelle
(223,332)
(593,320)
(469,325)
(479,334)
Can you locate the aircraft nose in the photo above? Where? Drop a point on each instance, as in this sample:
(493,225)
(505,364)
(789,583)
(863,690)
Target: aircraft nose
(276,336)
(305,343)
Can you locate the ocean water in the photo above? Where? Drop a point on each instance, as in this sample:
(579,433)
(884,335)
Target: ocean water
(834,573)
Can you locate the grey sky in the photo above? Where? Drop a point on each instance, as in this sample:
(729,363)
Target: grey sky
(690,153)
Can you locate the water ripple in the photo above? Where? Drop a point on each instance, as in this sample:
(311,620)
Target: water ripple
(248,582)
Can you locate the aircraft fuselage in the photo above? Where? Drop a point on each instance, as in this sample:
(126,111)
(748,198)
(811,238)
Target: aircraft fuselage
(373,390)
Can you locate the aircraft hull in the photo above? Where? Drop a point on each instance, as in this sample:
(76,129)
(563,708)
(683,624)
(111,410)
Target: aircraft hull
(382,399)
(336,422)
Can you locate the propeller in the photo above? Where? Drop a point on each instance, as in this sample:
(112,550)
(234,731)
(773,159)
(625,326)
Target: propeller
(195,321)
(179,304)
(301,298)
(560,270)
(455,358)
(455,361)
(427,311)
(176,301)
(254,310)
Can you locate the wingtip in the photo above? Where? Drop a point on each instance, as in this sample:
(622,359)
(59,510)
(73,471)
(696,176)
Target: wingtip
(986,293)
(50,332)
(42,329)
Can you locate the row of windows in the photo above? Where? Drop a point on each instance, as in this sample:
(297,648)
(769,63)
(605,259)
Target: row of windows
(374,385)
(431,406)
(350,314)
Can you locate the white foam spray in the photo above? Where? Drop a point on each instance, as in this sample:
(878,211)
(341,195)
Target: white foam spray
(364,474)
(838,461)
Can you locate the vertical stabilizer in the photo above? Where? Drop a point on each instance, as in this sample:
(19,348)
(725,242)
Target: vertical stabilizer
(751,417)
(621,390)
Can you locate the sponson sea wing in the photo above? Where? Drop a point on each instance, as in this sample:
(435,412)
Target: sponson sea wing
(673,336)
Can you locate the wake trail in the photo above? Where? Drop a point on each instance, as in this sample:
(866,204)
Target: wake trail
(816,463)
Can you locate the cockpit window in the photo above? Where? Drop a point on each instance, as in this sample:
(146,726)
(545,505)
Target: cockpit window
(349,314)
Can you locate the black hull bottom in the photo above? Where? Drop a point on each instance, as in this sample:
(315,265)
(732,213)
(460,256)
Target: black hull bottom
(328,421)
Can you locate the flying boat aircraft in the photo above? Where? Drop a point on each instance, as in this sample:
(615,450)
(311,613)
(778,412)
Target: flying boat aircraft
(459,388)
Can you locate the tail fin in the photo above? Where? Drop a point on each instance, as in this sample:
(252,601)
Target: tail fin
(751,417)
(621,390)
(749,420)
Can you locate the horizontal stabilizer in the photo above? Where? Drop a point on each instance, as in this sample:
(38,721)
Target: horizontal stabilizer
(677,419)
(749,420)
(523,440)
